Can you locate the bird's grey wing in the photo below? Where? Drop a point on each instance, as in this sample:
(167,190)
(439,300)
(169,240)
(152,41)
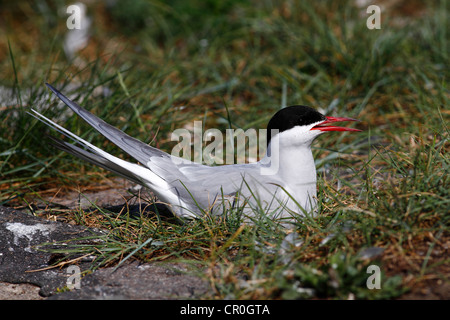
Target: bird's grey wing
(137,149)
(162,164)
(226,180)
(234,186)
(188,187)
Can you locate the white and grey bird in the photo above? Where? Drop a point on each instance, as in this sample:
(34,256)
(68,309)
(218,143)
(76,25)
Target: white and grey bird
(281,185)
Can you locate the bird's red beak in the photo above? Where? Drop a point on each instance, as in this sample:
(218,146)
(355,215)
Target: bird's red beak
(323,125)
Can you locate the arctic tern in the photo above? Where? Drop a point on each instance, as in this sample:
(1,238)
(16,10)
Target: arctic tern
(281,185)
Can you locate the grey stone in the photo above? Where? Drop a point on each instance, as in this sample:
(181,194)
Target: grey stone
(22,262)
(21,235)
(139,281)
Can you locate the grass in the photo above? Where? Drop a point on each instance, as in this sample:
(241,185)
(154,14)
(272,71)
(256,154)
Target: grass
(233,66)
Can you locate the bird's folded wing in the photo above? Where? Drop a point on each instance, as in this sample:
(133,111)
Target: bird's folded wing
(135,148)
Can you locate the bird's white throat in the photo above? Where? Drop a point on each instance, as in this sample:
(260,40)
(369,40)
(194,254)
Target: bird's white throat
(295,164)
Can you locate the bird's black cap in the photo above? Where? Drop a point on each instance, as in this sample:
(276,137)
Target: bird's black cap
(292,116)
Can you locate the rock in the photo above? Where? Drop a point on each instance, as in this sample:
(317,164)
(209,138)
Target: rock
(20,237)
(21,262)
(13,291)
(138,281)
